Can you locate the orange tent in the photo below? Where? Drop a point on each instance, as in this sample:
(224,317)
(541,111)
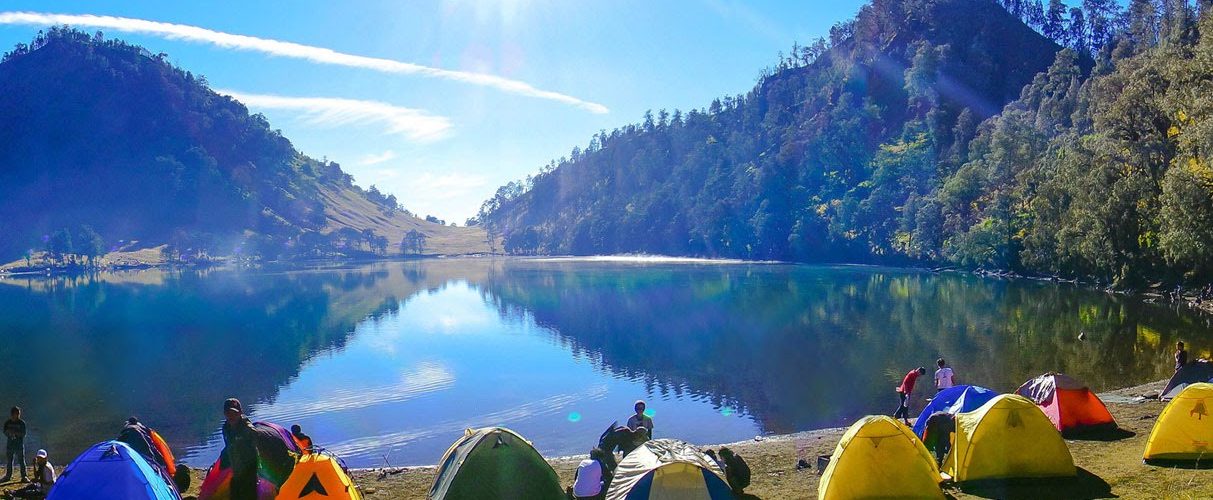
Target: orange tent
(1068,403)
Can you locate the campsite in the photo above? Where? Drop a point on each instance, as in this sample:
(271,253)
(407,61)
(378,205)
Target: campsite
(1105,468)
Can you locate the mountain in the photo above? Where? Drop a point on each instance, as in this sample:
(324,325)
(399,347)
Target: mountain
(794,168)
(101,134)
(923,132)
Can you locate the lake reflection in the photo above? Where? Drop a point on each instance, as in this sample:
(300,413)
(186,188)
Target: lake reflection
(388,362)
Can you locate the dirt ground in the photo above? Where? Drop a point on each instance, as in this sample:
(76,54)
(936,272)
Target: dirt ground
(1109,467)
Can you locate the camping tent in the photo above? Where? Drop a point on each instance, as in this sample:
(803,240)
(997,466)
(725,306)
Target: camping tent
(880,458)
(1068,403)
(274,464)
(1008,437)
(494,462)
(1191,373)
(668,469)
(1184,430)
(112,470)
(319,474)
(953,400)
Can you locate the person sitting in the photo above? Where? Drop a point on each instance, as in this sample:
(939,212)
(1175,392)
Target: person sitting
(302,440)
(44,479)
(591,479)
(736,470)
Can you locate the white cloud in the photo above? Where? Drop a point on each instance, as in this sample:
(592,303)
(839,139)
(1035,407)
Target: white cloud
(290,49)
(375,159)
(414,124)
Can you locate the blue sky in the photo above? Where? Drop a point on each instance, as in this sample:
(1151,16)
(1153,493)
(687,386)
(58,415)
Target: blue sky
(435,130)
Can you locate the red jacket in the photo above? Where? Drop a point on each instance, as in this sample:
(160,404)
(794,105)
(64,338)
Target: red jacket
(907,384)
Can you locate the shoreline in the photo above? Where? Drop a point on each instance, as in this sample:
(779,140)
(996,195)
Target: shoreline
(1107,468)
(1147,391)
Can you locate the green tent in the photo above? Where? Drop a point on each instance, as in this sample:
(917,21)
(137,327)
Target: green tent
(494,462)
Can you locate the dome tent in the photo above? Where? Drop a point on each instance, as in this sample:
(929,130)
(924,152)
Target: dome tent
(1184,430)
(274,464)
(668,469)
(494,462)
(880,458)
(320,474)
(990,443)
(1191,373)
(112,470)
(956,399)
(1068,403)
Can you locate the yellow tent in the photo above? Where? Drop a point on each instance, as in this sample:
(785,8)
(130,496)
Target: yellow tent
(1184,430)
(318,475)
(880,458)
(1008,437)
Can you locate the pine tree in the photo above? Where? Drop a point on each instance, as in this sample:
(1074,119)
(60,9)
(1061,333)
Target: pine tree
(1055,21)
(1034,14)
(1076,33)
(1142,25)
(1100,16)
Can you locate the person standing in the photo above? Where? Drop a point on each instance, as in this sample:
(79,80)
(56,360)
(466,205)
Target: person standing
(640,420)
(241,448)
(14,430)
(943,376)
(904,391)
(1181,355)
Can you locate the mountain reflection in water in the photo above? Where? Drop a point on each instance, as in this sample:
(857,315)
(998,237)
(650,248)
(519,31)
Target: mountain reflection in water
(387,362)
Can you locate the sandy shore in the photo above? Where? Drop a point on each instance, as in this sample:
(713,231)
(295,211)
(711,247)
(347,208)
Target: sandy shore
(1107,469)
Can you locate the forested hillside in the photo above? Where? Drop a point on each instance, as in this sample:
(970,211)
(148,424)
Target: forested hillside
(921,131)
(102,143)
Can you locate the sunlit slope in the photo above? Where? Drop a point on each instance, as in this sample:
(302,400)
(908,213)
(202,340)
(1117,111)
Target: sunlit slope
(347,207)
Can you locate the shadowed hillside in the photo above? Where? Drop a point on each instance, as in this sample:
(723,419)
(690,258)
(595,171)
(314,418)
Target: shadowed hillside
(103,134)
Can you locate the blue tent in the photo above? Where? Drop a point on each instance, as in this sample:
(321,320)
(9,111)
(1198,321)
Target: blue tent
(111,470)
(954,400)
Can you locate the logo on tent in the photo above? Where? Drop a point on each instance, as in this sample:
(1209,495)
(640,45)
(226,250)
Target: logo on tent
(313,486)
(1013,419)
(1199,410)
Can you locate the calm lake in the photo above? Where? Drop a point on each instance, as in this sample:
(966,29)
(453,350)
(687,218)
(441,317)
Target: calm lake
(389,362)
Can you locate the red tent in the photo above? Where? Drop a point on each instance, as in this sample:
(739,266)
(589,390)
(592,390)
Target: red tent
(1070,405)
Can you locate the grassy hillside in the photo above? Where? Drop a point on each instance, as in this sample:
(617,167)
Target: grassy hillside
(349,207)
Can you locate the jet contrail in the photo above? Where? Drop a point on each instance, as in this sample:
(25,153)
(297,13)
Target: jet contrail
(290,49)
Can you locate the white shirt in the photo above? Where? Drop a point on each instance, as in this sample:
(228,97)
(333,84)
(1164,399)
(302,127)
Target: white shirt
(589,479)
(635,422)
(943,378)
(46,476)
